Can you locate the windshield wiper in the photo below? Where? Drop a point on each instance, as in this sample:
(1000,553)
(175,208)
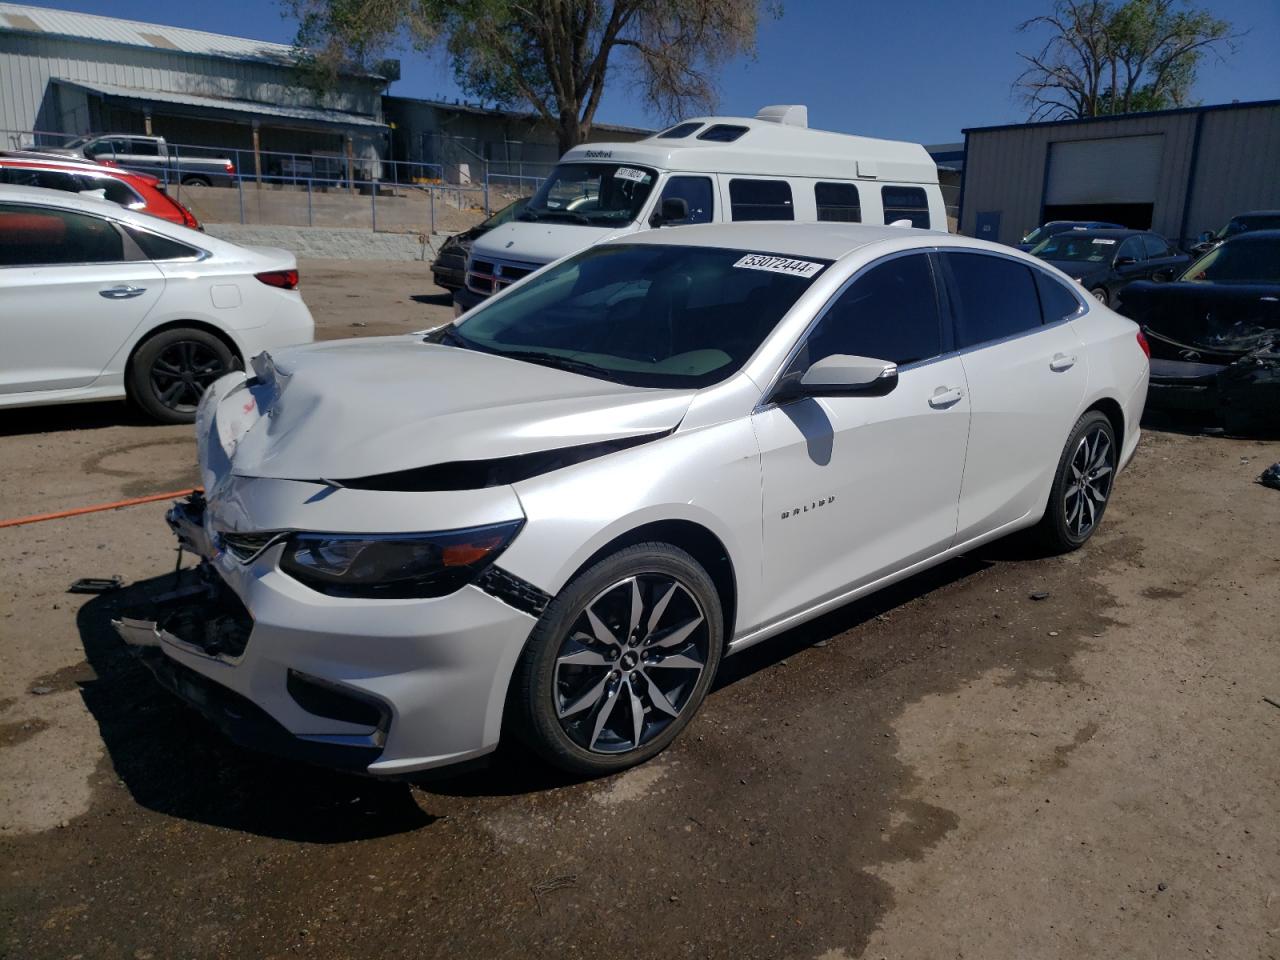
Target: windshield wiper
(527,215)
(562,363)
(449,336)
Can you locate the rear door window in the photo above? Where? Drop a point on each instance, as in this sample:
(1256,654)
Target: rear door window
(1132,248)
(49,179)
(36,236)
(1155,246)
(696,192)
(994,297)
(761,200)
(838,202)
(906,203)
(888,313)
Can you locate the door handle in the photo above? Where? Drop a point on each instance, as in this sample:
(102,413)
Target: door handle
(1062,362)
(122,292)
(945,397)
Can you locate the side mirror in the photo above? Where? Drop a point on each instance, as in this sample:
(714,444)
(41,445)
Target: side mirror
(672,210)
(1126,261)
(840,375)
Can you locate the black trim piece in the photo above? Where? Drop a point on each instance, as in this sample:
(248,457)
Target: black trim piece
(500,471)
(513,591)
(334,701)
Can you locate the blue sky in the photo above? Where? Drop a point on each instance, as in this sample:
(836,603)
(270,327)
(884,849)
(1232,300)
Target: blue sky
(915,71)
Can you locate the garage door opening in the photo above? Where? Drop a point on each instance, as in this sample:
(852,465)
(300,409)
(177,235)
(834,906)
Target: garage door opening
(1135,216)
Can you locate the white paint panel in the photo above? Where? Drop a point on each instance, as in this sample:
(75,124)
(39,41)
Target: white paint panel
(1114,170)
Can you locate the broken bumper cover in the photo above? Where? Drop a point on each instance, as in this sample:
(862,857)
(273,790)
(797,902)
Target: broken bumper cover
(387,688)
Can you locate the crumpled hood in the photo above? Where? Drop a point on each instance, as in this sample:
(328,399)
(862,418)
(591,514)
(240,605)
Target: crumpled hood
(539,243)
(383,404)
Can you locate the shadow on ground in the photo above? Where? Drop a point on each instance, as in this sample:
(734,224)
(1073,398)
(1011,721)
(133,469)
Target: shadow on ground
(72,416)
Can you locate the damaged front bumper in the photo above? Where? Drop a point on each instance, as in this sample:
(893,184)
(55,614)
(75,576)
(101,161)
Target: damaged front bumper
(388,688)
(1244,395)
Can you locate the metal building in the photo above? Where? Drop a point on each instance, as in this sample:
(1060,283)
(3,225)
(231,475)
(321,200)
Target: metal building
(1178,172)
(75,73)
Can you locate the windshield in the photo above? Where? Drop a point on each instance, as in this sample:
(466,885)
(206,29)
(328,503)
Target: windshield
(594,194)
(1241,261)
(642,314)
(1036,235)
(1077,248)
(1244,224)
(506,214)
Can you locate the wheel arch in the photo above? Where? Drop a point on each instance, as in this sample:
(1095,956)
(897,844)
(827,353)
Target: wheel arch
(1111,409)
(694,539)
(202,325)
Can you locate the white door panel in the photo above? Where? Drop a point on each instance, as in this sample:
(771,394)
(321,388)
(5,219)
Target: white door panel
(62,324)
(857,487)
(1024,394)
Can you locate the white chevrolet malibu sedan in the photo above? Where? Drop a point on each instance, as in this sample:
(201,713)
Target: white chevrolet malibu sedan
(98,302)
(555,517)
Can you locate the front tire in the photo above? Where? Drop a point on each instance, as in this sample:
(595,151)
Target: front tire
(196,182)
(1082,484)
(620,661)
(170,372)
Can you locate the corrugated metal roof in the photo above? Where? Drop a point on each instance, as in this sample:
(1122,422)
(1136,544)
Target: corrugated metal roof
(314,114)
(23,18)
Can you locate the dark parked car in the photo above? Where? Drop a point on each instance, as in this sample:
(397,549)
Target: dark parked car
(1240,223)
(1055,227)
(1106,261)
(1215,333)
(450,266)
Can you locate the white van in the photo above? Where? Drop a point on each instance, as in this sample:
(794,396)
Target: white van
(711,169)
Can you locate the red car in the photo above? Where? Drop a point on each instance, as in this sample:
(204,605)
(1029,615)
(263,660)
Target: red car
(137,191)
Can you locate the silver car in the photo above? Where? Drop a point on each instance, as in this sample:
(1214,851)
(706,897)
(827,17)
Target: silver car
(556,516)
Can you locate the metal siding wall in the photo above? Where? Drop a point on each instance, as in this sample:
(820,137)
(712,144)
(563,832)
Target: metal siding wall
(1004,169)
(1238,168)
(28,63)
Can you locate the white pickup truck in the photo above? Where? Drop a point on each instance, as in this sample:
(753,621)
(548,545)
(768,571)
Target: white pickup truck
(151,155)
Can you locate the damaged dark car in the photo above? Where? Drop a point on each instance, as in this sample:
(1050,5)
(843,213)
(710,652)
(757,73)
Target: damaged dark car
(1215,335)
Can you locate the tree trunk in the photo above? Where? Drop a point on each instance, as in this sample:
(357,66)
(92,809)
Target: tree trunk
(570,131)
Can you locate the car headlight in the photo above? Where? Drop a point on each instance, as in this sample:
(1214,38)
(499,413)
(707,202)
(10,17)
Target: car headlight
(395,565)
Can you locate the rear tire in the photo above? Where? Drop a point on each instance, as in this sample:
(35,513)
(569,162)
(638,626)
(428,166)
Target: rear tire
(613,671)
(1100,294)
(170,372)
(1082,484)
(196,182)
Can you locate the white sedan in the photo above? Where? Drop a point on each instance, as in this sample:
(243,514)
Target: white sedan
(556,516)
(100,302)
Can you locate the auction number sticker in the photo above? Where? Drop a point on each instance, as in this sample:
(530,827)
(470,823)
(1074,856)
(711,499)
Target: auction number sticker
(793,268)
(1109,243)
(631,173)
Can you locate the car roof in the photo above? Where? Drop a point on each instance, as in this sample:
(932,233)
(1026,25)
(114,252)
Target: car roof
(826,241)
(1254,236)
(97,169)
(1116,233)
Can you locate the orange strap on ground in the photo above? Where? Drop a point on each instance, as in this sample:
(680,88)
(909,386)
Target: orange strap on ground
(96,508)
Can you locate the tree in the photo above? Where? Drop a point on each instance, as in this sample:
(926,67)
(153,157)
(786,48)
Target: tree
(555,56)
(1104,58)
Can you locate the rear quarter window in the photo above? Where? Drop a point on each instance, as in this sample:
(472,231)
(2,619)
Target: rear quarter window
(156,247)
(1057,301)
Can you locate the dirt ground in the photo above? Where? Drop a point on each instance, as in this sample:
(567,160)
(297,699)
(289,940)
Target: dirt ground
(948,769)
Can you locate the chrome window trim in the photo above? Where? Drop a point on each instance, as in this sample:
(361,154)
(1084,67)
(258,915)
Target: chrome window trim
(121,225)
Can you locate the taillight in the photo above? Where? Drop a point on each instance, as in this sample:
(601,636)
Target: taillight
(1142,342)
(284,279)
(188,218)
(231,168)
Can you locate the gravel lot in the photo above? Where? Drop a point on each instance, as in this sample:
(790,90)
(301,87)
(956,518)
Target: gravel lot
(949,769)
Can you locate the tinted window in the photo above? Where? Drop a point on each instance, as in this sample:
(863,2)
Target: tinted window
(157,247)
(1057,302)
(696,192)
(1244,260)
(678,131)
(44,235)
(117,191)
(1155,246)
(761,200)
(1132,248)
(142,148)
(49,179)
(722,133)
(994,297)
(838,202)
(889,313)
(906,203)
